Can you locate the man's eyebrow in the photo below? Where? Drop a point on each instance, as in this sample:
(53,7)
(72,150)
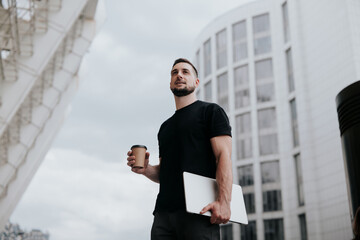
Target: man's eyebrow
(182,69)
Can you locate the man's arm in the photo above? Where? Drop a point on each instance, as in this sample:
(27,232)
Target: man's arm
(152,172)
(220,209)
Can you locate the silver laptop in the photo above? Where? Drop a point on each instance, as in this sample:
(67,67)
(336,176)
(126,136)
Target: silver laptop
(200,191)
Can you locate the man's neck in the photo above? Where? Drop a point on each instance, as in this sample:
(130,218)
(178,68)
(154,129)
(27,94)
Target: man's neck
(184,101)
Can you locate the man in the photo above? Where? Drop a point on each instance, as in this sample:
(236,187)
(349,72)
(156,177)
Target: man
(197,139)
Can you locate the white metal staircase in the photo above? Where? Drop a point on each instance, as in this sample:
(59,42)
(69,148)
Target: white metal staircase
(42,43)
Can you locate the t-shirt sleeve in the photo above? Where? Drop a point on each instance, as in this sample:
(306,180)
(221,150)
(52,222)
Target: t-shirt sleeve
(218,122)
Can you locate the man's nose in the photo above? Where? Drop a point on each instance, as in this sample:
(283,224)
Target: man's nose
(179,75)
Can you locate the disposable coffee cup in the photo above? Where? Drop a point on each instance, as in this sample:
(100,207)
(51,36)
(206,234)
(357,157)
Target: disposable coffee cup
(139,152)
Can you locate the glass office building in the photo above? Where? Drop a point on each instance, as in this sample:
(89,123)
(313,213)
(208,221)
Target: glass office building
(276,66)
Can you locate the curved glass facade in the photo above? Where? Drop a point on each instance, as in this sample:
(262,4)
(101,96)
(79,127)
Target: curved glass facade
(243,69)
(276,71)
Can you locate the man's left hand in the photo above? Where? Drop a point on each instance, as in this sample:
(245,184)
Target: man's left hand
(220,212)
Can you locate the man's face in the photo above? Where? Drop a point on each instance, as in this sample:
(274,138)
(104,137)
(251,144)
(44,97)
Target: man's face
(183,79)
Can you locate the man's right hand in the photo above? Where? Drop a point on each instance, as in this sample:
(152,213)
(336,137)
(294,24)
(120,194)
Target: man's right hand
(131,162)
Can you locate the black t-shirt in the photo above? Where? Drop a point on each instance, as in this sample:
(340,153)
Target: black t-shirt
(184,145)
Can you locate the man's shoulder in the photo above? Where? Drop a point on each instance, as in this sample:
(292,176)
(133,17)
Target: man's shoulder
(166,122)
(210,107)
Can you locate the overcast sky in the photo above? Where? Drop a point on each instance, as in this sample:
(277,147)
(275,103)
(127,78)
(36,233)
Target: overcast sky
(84,189)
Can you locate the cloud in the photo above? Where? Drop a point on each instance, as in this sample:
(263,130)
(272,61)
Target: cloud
(84,190)
(87,197)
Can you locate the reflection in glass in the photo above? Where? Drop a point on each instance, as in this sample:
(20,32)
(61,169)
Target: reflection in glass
(197,64)
(290,74)
(241,87)
(208,92)
(207,57)
(264,81)
(268,142)
(226,232)
(270,172)
(303,229)
(249,200)
(198,94)
(243,136)
(299,180)
(285,14)
(239,41)
(221,55)
(248,232)
(270,178)
(272,200)
(294,123)
(262,38)
(246,175)
(223,91)
(274,229)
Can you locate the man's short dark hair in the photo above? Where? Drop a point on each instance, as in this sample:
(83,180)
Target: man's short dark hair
(180,60)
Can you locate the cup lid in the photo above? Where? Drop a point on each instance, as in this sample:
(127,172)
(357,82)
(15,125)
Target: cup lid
(139,146)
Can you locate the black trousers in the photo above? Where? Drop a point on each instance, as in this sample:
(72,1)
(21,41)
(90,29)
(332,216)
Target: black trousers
(181,225)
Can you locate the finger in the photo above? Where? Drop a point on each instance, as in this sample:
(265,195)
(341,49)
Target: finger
(147,155)
(129,153)
(214,219)
(205,209)
(131,158)
(131,163)
(146,163)
(137,170)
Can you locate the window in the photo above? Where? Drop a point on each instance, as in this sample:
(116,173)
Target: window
(272,200)
(243,136)
(226,232)
(221,55)
(248,232)
(197,64)
(262,38)
(246,175)
(268,144)
(4,142)
(241,87)
(267,131)
(239,41)
(249,199)
(290,74)
(285,14)
(270,172)
(303,229)
(299,180)
(198,94)
(294,123)
(270,178)
(223,92)
(274,229)
(208,92)
(246,181)
(264,81)
(207,58)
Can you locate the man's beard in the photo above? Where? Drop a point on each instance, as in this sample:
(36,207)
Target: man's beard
(183,91)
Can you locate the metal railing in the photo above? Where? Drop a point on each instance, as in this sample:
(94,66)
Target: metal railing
(12,135)
(19,21)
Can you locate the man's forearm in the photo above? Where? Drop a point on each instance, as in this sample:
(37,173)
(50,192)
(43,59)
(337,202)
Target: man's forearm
(224,178)
(153,173)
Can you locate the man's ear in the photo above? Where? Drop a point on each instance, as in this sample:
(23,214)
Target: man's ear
(197,82)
